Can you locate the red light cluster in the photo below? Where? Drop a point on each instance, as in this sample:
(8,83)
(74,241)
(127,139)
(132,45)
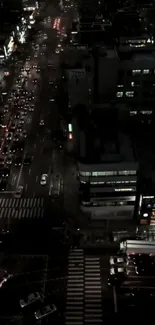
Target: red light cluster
(56,24)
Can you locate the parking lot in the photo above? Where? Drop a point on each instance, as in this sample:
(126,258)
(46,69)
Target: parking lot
(32,273)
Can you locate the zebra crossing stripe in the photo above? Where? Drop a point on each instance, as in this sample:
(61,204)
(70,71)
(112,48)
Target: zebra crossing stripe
(75,288)
(84,290)
(22,208)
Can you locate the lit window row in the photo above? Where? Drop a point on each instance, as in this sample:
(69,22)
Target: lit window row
(113,182)
(134,112)
(138,72)
(109,173)
(127,94)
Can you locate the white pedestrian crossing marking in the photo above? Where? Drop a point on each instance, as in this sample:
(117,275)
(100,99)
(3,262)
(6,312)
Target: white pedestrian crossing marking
(84,290)
(28,208)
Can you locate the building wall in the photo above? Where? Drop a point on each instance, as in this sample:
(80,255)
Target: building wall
(110,212)
(107,75)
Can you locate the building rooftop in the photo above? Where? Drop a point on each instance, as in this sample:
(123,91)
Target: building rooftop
(101,142)
(142,56)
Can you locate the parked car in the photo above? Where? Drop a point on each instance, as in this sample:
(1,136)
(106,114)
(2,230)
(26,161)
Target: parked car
(31,299)
(45,311)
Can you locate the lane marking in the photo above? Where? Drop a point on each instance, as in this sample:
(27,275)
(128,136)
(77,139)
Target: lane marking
(13,180)
(115,300)
(29,171)
(36,179)
(26,187)
(34,145)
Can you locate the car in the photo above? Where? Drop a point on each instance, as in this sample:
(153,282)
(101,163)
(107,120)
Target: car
(9,161)
(31,299)
(12,127)
(19,129)
(31,108)
(18,161)
(26,106)
(18,80)
(16,138)
(117,275)
(20,146)
(5,150)
(24,134)
(2,115)
(4,172)
(2,161)
(6,109)
(116,260)
(35,81)
(41,122)
(27,161)
(25,112)
(21,121)
(52,100)
(43,180)
(13,148)
(3,186)
(18,192)
(17,116)
(25,92)
(45,311)
(9,136)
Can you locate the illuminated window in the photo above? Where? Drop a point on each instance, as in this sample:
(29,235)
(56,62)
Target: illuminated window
(120,86)
(127,172)
(132,113)
(119,94)
(146,71)
(136,72)
(129,93)
(84,173)
(105,173)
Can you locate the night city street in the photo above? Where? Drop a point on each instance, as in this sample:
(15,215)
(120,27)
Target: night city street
(77,181)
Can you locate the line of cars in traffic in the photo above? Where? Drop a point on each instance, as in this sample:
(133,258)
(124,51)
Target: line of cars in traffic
(130,266)
(20,103)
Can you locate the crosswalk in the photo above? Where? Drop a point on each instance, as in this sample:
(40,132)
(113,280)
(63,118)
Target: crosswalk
(29,208)
(84,290)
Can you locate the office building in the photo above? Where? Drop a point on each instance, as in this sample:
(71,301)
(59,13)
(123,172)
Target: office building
(107,165)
